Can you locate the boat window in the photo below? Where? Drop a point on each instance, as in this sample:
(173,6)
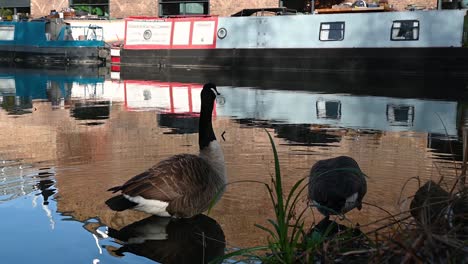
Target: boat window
(7,32)
(183,7)
(332,31)
(405,30)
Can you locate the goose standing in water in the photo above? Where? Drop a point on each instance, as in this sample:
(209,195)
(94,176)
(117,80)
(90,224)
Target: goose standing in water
(183,185)
(336,185)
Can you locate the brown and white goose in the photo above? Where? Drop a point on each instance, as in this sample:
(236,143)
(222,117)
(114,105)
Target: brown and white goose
(337,185)
(182,185)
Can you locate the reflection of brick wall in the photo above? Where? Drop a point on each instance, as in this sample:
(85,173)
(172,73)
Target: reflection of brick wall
(125,8)
(227,8)
(40,8)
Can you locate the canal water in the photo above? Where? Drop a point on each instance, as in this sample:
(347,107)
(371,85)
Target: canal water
(66,136)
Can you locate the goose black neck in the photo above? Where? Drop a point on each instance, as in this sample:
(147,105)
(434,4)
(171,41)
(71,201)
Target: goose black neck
(205,126)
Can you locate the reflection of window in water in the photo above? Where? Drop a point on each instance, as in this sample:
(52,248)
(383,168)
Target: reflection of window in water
(445,147)
(400,115)
(405,30)
(330,109)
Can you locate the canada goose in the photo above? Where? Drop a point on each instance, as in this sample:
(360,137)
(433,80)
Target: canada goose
(435,207)
(199,239)
(430,204)
(182,185)
(336,185)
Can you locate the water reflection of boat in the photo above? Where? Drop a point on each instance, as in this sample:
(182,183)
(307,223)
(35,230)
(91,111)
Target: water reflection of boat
(20,86)
(34,82)
(378,113)
(349,111)
(451,87)
(199,239)
(343,110)
(181,100)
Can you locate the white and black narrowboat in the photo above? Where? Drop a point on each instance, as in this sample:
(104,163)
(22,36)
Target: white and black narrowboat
(433,41)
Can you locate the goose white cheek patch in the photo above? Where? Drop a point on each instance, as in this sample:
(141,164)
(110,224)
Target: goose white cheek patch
(214,91)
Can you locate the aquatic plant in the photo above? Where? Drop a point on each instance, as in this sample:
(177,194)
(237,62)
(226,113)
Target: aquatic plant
(433,230)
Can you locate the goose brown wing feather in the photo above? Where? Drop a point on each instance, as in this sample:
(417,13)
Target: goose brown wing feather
(170,179)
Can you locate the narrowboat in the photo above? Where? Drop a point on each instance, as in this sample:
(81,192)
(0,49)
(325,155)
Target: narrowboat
(432,41)
(51,41)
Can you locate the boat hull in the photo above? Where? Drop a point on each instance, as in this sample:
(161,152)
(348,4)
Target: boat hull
(397,60)
(53,55)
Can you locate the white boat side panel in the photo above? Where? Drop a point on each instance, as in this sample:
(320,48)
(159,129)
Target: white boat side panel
(153,32)
(442,28)
(203,32)
(358,112)
(181,33)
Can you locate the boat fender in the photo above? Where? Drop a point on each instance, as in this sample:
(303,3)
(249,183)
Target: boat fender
(359,3)
(103,53)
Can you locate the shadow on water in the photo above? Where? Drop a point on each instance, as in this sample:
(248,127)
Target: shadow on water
(296,134)
(178,123)
(168,240)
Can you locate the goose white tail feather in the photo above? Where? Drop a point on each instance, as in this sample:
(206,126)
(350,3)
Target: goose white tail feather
(149,206)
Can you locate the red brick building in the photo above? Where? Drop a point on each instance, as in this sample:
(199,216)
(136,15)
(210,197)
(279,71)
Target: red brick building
(124,8)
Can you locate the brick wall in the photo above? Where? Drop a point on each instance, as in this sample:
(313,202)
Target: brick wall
(125,8)
(227,8)
(401,4)
(40,8)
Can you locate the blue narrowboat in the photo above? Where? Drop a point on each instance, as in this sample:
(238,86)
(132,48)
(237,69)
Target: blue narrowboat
(51,42)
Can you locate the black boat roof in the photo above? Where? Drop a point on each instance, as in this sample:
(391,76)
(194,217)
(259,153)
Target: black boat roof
(276,10)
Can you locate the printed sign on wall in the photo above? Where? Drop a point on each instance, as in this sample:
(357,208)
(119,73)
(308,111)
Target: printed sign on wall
(203,32)
(148,32)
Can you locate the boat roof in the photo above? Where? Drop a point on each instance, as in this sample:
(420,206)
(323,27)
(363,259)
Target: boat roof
(276,10)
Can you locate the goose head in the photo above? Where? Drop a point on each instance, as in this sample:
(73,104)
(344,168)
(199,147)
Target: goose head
(337,185)
(207,96)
